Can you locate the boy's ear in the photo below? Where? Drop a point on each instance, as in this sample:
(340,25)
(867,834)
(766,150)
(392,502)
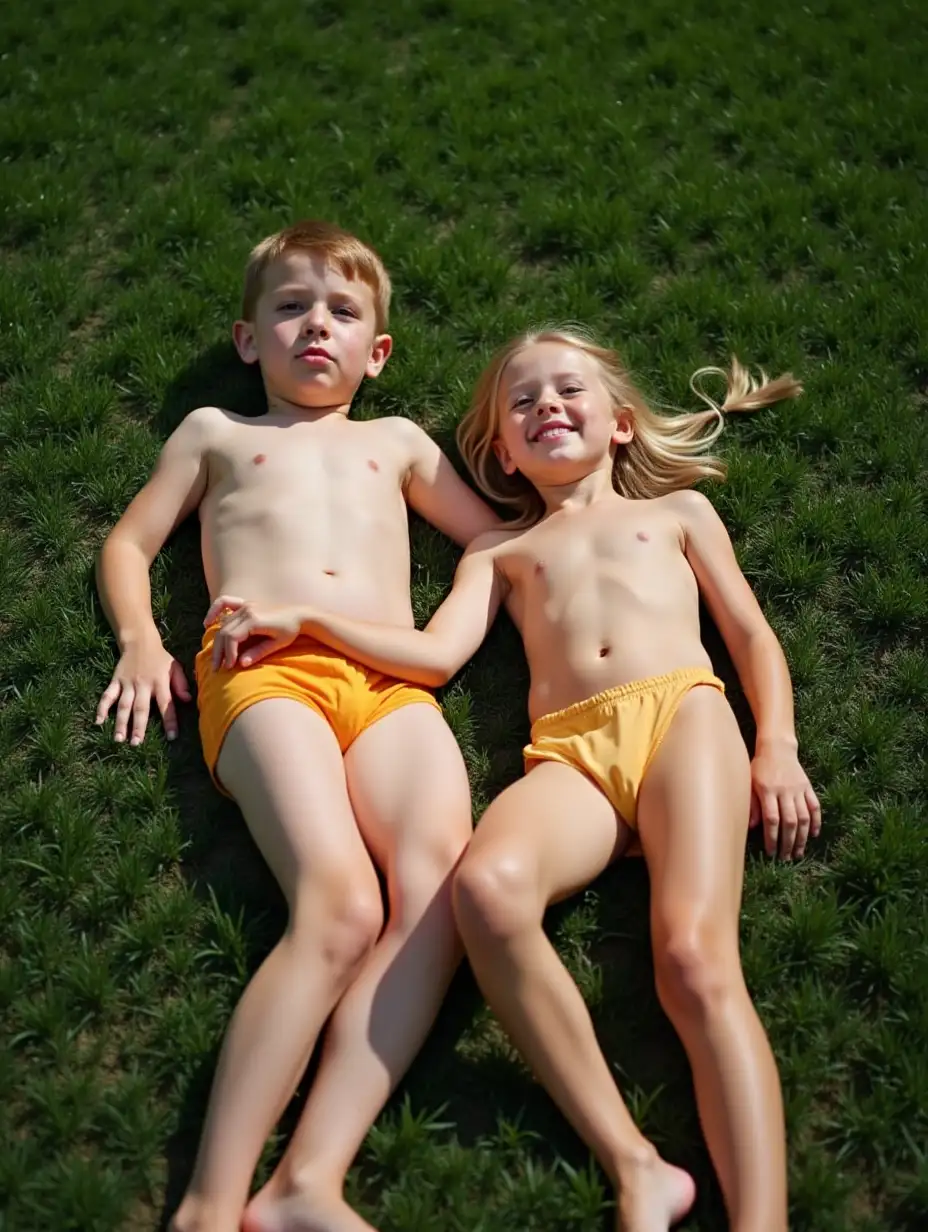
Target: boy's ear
(380,353)
(243,334)
(624,429)
(504,457)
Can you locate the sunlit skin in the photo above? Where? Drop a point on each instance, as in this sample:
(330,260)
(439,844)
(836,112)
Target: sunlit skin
(605,590)
(306,506)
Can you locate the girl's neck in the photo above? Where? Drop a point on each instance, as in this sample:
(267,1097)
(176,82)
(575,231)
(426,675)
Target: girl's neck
(579,494)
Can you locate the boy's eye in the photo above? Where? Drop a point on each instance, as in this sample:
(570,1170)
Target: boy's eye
(345,310)
(290,305)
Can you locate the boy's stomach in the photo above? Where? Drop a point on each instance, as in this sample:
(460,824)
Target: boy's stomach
(363,581)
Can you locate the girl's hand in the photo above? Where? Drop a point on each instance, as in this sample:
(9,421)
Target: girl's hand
(782,798)
(145,672)
(241,621)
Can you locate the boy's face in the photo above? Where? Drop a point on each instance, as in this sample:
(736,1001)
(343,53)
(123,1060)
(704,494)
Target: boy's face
(314,333)
(556,417)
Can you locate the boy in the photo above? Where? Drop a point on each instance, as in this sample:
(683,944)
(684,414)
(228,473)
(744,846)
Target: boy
(336,768)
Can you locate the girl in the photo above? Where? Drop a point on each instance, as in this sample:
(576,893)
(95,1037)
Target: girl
(632,740)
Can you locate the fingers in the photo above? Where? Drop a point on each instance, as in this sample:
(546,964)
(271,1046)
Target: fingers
(815,812)
(803,821)
(789,825)
(178,683)
(754,815)
(123,711)
(770,812)
(134,704)
(141,708)
(225,647)
(109,695)
(225,603)
(168,710)
(261,650)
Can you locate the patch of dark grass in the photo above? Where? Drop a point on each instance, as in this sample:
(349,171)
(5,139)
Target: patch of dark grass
(515,164)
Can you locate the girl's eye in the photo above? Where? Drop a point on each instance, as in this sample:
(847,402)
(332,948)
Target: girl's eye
(524,400)
(572,389)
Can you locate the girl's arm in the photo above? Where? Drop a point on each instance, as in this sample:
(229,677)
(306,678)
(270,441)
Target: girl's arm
(783,795)
(430,656)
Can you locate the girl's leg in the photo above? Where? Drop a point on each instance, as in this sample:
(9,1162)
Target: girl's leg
(283,765)
(544,838)
(693,814)
(410,794)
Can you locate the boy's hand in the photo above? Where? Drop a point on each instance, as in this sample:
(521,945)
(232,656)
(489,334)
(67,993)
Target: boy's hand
(145,670)
(782,798)
(241,621)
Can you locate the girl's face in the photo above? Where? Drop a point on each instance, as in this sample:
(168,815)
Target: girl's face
(557,422)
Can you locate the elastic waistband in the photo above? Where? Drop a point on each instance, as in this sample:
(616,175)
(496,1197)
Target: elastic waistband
(634,688)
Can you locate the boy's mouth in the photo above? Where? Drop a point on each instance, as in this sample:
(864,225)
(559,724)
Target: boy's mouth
(315,356)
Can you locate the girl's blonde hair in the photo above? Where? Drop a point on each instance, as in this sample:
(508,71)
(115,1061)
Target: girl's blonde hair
(666,453)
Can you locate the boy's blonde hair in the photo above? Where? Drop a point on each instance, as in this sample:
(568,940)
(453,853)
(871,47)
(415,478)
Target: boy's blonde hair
(666,453)
(349,255)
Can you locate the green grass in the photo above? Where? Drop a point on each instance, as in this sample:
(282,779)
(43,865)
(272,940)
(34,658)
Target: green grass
(690,178)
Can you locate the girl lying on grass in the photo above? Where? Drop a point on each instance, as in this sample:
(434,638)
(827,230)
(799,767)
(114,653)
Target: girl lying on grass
(632,741)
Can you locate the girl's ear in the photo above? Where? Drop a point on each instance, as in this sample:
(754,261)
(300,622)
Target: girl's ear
(243,334)
(624,429)
(504,457)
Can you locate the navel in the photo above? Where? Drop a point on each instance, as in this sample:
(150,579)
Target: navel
(259,458)
(605,651)
(329,572)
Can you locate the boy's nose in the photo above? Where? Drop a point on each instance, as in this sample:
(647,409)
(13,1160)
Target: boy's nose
(315,322)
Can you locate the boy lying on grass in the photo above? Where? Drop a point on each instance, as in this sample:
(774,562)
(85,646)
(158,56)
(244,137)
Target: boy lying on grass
(336,767)
(632,741)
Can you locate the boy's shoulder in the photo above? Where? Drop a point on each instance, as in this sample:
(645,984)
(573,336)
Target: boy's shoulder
(207,419)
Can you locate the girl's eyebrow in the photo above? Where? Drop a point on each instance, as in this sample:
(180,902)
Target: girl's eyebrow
(532,380)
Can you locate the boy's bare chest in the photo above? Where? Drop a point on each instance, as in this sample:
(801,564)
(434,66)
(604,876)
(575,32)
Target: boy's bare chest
(268,466)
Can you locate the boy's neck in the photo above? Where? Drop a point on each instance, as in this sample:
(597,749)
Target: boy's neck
(277,405)
(579,494)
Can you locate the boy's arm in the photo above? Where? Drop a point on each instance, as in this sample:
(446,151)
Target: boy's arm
(145,669)
(430,656)
(787,803)
(437,492)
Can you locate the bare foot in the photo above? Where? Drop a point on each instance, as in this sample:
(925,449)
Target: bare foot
(653,1196)
(195,1216)
(300,1210)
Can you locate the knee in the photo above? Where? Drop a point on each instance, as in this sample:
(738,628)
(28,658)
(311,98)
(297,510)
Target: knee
(422,875)
(340,920)
(695,972)
(494,893)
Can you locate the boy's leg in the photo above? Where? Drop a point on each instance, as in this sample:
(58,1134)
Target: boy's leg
(410,794)
(693,817)
(283,765)
(544,838)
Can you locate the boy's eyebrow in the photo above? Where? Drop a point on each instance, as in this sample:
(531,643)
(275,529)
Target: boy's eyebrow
(297,288)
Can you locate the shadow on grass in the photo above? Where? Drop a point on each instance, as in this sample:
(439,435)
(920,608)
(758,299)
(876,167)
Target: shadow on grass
(478,1091)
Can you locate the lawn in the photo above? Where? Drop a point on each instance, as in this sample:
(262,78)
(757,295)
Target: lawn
(691,178)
